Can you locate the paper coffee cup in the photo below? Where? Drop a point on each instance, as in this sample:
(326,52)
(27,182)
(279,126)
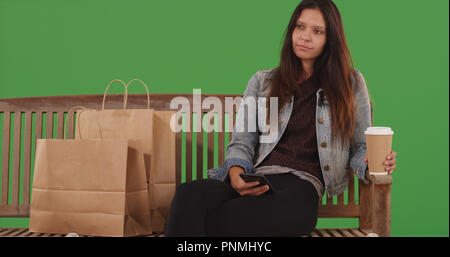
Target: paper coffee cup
(379,146)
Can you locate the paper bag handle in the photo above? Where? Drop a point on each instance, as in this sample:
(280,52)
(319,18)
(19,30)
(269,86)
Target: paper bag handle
(146,88)
(65,123)
(124,96)
(78,122)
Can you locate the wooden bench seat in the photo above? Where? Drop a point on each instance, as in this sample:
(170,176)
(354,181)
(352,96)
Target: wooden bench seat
(23,120)
(329,232)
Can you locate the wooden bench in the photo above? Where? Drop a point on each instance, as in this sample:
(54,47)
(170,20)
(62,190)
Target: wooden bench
(23,120)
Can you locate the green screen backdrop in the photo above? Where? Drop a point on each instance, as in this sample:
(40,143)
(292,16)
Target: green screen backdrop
(401,47)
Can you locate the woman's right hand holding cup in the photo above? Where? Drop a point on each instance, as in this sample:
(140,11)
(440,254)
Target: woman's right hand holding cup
(242,187)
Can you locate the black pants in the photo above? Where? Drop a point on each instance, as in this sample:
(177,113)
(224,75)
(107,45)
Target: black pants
(210,207)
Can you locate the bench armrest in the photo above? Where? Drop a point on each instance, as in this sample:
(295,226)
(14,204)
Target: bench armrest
(375,205)
(380,179)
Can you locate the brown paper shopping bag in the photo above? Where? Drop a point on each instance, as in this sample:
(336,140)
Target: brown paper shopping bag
(156,140)
(162,175)
(90,187)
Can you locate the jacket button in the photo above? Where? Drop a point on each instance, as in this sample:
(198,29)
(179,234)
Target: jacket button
(320,120)
(326,167)
(323,144)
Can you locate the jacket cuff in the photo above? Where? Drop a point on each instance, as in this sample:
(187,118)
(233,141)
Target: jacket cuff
(221,173)
(362,172)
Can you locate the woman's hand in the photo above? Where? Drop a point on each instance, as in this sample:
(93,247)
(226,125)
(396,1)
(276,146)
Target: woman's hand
(241,186)
(389,164)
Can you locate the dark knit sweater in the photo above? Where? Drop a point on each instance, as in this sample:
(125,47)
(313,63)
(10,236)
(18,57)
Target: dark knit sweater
(297,148)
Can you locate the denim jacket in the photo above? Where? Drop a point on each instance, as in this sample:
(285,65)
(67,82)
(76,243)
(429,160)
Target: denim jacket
(246,150)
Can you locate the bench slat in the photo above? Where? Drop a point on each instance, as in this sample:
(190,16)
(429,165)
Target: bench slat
(346,233)
(5,232)
(340,199)
(351,188)
(226,134)
(232,121)
(314,233)
(69,133)
(37,135)
(210,150)
(334,232)
(27,158)
(5,157)
(324,233)
(178,151)
(189,146)
(357,232)
(199,147)
(19,232)
(221,127)
(34,234)
(49,126)
(27,234)
(329,201)
(60,125)
(16,157)
(38,126)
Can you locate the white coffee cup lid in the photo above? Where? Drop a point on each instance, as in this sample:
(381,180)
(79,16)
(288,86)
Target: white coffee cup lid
(379,131)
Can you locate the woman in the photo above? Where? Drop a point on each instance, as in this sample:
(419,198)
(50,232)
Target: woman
(324,109)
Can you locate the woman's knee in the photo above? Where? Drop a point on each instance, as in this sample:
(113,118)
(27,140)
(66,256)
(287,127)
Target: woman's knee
(303,212)
(306,220)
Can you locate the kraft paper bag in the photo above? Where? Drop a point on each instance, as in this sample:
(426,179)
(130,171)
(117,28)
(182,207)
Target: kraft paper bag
(91,187)
(125,124)
(151,129)
(162,182)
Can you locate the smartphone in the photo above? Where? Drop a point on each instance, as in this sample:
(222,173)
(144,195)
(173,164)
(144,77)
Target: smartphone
(257,177)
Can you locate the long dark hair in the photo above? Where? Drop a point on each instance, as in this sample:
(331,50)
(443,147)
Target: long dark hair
(333,69)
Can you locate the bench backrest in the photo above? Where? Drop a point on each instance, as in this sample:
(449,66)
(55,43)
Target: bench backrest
(23,120)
